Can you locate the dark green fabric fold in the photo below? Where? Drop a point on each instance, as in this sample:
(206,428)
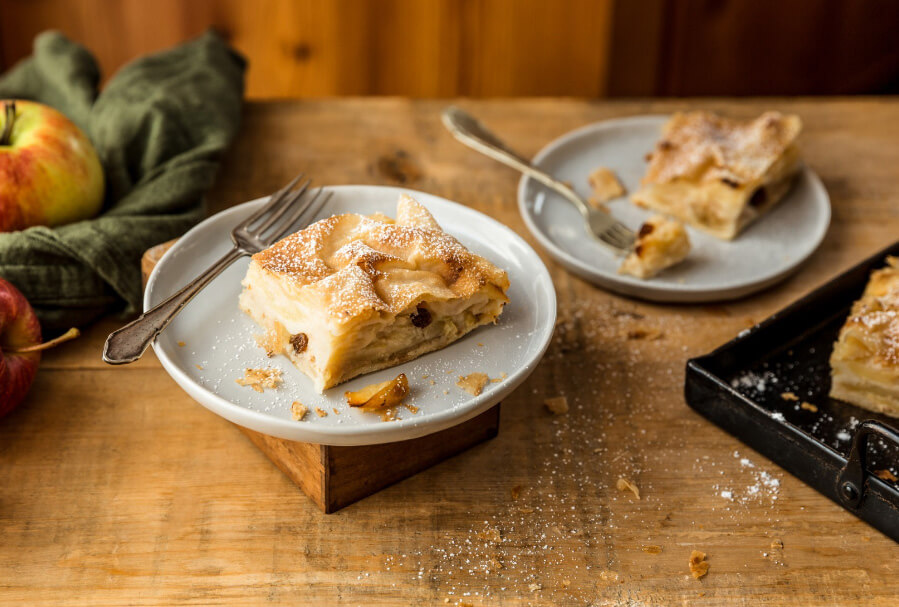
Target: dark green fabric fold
(159,127)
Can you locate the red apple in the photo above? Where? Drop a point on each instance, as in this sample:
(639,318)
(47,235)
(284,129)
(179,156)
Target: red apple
(20,346)
(49,171)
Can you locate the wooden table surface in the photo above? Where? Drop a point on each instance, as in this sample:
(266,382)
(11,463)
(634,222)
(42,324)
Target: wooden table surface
(116,488)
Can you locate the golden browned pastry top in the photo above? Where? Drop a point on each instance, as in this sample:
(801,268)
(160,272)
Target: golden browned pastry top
(877,314)
(702,146)
(354,263)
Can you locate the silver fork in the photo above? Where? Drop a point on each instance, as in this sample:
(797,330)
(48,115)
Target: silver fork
(284,208)
(602,226)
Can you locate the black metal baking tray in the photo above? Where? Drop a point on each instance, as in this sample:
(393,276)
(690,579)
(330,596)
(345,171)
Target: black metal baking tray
(837,448)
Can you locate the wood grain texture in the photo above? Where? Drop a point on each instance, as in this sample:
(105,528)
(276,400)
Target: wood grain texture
(487,48)
(335,477)
(118,489)
(314,48)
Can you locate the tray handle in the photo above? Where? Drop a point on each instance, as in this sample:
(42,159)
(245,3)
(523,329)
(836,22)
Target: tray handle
(851,483)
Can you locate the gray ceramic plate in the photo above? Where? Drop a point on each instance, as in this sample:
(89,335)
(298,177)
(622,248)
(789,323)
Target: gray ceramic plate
(218,339)
(766,252)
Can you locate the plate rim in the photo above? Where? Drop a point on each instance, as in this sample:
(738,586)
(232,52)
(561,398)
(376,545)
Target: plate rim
(645,289)
(363,434)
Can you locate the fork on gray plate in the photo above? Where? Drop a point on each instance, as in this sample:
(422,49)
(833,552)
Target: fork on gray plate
(284,209)
(601,225)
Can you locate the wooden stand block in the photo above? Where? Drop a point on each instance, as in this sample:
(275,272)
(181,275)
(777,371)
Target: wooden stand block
(335,477)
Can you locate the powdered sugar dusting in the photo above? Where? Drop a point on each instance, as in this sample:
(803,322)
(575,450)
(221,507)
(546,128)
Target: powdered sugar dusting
(357,264)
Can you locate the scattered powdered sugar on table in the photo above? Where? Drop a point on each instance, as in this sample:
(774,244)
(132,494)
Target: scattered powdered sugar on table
(754,485)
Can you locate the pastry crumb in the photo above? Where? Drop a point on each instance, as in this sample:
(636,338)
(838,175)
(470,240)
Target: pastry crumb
(298,410)
(200,367)
(789,396)
(557,405)
(515,492)
(321,412)
(259,379)
(605,185)
(776,544)
(473,383)
(698,565)
(411,408)
(625,485)
(652,549)
(535,587)
(647,334)
(608,576)
(491,535)
(808,407)
(335,410)
(885,475)
(381,395)
(181,344)
(273,340)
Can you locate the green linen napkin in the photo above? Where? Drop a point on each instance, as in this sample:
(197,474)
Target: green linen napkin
(159,127)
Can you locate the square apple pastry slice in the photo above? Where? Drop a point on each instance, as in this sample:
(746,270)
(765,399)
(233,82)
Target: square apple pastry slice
(352,294)
(864,365)
(720,175)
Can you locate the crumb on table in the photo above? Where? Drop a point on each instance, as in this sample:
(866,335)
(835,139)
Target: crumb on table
(557,405)
(698,565)
(808,407)
(625,485)
(789,396)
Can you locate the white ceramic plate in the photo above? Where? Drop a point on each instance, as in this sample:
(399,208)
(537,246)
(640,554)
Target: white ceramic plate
(219,343)
(766,252)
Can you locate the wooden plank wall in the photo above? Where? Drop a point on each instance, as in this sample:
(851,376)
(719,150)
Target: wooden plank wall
(310,48)
(487,48)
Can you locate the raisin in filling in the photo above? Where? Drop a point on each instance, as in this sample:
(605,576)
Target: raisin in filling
(759,197)
(299,342)
(421,318)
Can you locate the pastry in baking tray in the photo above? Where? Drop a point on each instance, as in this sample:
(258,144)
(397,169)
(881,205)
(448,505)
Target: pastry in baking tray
(661,243)
(353,294)
(718,174)
(864,365)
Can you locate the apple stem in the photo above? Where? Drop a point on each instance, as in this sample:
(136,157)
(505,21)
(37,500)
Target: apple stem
(70,334)
(10,109)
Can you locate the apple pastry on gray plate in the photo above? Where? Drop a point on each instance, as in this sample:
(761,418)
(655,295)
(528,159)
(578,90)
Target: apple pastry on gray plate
(353,294)
(718,174)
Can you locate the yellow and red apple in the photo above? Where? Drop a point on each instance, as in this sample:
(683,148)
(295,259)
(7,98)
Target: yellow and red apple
(49,171)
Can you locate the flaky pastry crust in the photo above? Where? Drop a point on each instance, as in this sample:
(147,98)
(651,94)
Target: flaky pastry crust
(865,359)
(368,292)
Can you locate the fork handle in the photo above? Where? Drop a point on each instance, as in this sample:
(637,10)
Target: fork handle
(128,344)
(475,135)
